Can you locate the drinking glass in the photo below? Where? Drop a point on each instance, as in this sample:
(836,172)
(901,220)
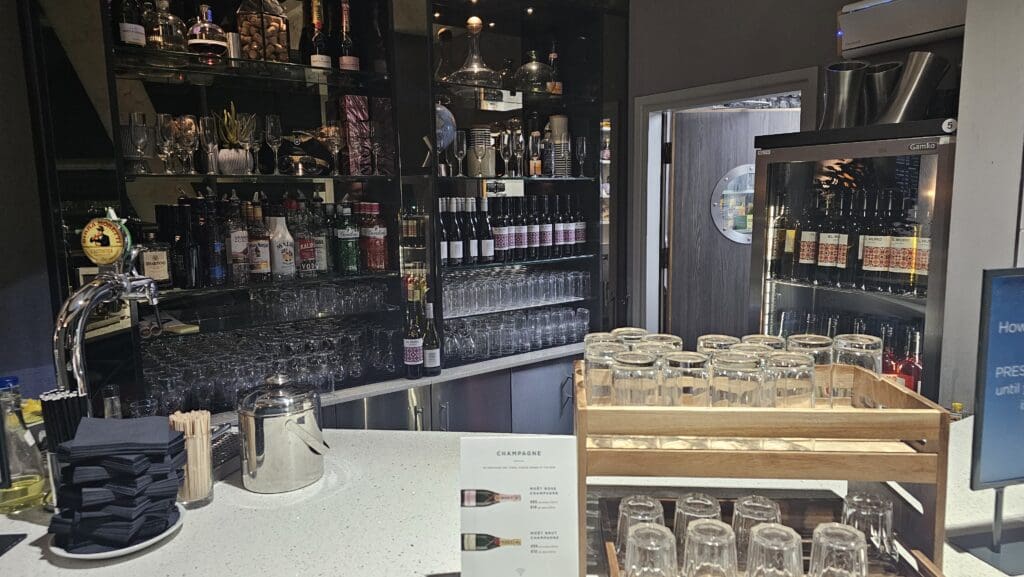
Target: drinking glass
(480,145)
(634,379)
(333,132)
(864,351)
(820,348)
(598,370)
(581,152)
(671,340)
(775,551)
(247,136)
(632,510)
(208,136)
(518,148)
(710,344)
(684,380)
(142,408)
(747,512)
(188,140)
(165,130)
(139,131)
(753,349)
(710,550)
(111,402)
(460,148)
(534,145)
(737,380)
(629,335)
(689,508)
(505,147)
(792,375)
(777,343)
(871,514)
(272,129)
(838,551)
(650,551)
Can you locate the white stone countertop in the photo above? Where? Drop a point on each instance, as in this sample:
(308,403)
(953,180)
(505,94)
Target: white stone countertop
(386,507)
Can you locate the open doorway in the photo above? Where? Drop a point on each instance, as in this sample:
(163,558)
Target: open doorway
(692,224)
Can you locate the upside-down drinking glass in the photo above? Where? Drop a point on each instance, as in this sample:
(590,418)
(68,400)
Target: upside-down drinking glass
(871,514)
(710,550)
(689,508)
(650,551)
(775,551)
(750,511)
(636,509)
(838,551)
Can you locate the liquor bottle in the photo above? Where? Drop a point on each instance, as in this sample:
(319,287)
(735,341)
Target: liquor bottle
(332,29)
(903,251)
(206,39)
(282,246)
(847,261)
(532,229)
(499,230)
(155,261)
(484,542)
(305,244)
(558,227)
(536,164)
(442,230)
(330,219)
(554,85)
(259,248)
(521,232)
(378,46)
(568,228)
(922,259)
(455,247)
(347,59)
(431,345)
(412,225)
(910,368)
(581,230)
(129,28)
(890,361)
(373,239)
(346,242)
(412,339)
(483,232)
(807,241)
(828,242)
(485,498)
(310,14)
(322,250)
(187,272)
(215,247)
(877,245)
(781,239)
(319,52)
(470,244)
(547,155)
(238,248)
(547,231)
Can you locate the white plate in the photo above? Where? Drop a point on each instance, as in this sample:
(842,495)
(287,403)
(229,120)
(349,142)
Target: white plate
(120,552)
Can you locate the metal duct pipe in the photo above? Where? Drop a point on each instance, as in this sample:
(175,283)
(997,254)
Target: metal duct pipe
(921,75)
(879,82)
(844,82)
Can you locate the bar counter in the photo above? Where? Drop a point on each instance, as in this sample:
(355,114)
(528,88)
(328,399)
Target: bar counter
(386,507)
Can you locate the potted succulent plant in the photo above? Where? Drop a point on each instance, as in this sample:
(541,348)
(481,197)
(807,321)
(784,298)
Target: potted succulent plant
(233,156)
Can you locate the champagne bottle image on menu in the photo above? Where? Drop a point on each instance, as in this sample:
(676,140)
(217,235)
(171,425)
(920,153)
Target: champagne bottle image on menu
(485,498)
(485,542)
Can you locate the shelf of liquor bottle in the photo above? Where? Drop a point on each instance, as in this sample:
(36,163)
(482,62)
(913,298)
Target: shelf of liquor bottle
(518,263)
(913,302)
(536,305)
(168,67)
(171,295)
(256,178)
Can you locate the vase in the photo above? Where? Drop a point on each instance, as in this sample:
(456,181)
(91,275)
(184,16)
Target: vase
(233,161)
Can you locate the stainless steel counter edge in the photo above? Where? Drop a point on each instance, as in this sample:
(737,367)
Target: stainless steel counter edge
(470,370)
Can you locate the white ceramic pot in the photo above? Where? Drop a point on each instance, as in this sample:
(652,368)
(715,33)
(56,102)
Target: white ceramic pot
(233,161)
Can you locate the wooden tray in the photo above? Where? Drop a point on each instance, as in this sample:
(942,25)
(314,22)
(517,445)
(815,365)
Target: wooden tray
(888,439)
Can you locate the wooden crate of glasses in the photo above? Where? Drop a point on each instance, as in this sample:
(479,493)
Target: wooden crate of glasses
(878,436)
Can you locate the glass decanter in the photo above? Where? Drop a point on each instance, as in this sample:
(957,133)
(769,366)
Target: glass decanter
(165,32)
(205,39)
(263,30)
(29,480)
(533,76)
(474,70)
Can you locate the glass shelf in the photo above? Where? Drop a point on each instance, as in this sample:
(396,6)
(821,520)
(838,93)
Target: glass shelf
(142,64)
(515,264)
(912,302)
(448,317)
(516,178)
(501,100)
(217,324)
(255,178)
(176,295)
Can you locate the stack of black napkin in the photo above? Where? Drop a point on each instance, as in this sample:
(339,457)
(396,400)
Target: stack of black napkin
(119,480)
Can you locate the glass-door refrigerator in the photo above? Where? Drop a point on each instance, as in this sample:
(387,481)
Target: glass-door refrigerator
(850,236)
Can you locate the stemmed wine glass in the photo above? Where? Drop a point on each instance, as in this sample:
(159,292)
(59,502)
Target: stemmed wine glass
(460,148)
(188,141)
(334,142)
(273,137)
(505,146)
(165,139)
(480,144)
(140,138)
(518,148)
(581,152)
(534,149)
(208,134)
(246,137)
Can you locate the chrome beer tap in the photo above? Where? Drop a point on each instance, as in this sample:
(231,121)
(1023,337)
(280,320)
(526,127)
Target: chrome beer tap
(107,244)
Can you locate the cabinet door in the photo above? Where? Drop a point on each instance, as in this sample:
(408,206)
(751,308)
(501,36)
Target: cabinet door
(476,404)
(542,399)
(407,410)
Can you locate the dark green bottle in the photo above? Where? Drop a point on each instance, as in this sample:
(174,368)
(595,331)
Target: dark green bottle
(346,242)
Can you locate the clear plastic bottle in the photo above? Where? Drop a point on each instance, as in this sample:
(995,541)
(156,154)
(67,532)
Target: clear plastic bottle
(28,476)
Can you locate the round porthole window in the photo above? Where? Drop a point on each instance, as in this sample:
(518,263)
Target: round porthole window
(732,204)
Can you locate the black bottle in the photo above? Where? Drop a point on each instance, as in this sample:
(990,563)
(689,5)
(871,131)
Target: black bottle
(547,232)
(806,247)
(519,224)
(532,229)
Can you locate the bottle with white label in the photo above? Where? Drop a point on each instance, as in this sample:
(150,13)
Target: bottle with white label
(238,251)
(431,345)
(847,261)
(483,232)
(876,240)
(455,247)
(282,248)
(412,339)
(442,230)
(129,28)
(155,261)
(903,266)
(806,247)
(924,247)
(828,243)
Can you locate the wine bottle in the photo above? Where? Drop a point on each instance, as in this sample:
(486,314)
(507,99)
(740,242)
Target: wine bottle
(924,247)
(807,241)
(484,542)
(547,232)
(532,229)
(484,233)
(431,345)
(828,243)
(470,244)
(378,47)
(259,247)
(319,52)
(568,228)
(442,230)
(910,368)
(581,230)
(412,342)
(558,226)
(849,240)
(878,246)
(129,28)
(347,59)
(500,230)
(520,225)
(782,239)
(554,85)
(485,498)
(455,246)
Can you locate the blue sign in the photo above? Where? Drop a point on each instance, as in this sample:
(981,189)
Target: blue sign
(998,458)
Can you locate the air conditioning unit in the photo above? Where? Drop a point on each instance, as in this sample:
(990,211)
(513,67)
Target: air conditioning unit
(873,26)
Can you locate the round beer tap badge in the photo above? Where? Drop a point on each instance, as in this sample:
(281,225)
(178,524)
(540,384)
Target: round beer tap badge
(103,241)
